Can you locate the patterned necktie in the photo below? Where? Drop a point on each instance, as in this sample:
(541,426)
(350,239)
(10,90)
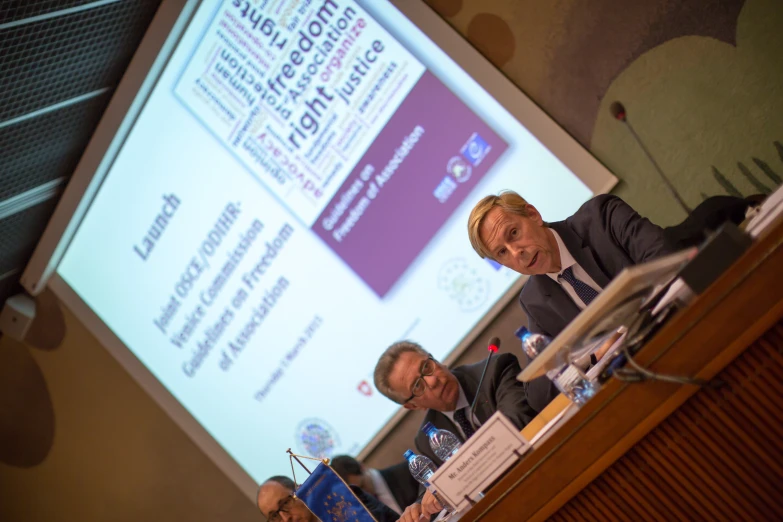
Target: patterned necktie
(462,419)
(585,292)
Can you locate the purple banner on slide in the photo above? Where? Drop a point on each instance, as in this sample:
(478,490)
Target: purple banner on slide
(422,165)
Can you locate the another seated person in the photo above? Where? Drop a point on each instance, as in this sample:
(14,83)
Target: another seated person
(410,376)
(394,486)
(277,503)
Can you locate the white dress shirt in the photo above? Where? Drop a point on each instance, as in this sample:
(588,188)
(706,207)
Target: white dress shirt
(462,402)
(567,260)
(382,491)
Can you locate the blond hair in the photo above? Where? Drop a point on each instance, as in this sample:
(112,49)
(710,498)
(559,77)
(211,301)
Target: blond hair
(508,201)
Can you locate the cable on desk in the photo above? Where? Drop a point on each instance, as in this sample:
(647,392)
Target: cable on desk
(639,333)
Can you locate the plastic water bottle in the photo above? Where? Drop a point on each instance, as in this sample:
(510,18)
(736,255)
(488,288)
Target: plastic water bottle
(567,378)
(422,468)
(572,384)
(443,443)
(532,343)
(535,343)
(584,390)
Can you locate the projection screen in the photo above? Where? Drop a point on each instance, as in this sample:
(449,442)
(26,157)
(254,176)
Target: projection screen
(285,196)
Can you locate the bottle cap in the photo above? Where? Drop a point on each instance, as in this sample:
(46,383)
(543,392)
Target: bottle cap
(521,332)
(429,427)
(408,455)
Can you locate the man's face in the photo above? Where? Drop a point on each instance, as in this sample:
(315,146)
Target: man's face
(441,390)
(520,243)
(273,496)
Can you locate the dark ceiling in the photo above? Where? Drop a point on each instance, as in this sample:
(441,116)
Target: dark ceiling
(60,62)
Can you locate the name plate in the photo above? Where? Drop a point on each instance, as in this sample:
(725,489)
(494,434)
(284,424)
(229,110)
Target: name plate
(494,448)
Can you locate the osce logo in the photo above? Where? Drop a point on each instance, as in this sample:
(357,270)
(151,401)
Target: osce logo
(317,438)
(445,189)
(459,168)
(476,149)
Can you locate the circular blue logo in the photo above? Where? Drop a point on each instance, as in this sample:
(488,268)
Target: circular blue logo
(316,438)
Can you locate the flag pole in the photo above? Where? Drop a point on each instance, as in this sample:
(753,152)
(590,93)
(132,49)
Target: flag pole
(293,456)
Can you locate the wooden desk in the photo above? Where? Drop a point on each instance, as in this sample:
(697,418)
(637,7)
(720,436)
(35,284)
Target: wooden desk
(659,451)
(552,410)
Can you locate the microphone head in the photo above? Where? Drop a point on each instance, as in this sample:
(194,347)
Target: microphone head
(494,344)
(618,110)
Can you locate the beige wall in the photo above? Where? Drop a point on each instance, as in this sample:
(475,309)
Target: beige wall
(702,81)
(115,454)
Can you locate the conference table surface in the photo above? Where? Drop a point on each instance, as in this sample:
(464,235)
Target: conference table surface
(648,429)
(545,417)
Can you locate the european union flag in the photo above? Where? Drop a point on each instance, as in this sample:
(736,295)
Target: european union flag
(330,499)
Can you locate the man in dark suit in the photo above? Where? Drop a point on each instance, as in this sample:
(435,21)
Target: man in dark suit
(410,376)
(394,486)
(569,262)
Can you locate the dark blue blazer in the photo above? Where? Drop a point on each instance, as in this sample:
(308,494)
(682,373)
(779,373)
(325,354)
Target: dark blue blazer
(401,483)
(604,236)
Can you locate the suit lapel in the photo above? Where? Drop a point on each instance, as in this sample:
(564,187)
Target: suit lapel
(558,299)
(551,298)
(581,253)
(469,383)
(444,423)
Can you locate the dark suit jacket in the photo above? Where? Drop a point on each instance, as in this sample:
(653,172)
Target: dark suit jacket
(708,216)
(500,391)
(380,511)
(604,236)
(401,483)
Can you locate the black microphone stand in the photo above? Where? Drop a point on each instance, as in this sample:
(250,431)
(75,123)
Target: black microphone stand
(493,347)
(618,111)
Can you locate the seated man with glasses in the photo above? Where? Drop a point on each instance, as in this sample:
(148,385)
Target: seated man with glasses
(408,375)
(277,503)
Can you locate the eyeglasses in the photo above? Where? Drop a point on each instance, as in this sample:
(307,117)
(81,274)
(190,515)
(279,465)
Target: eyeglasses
(420,385)
(284,505)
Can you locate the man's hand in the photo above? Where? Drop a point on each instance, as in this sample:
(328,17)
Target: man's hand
(419,512)
(430,504)
(412,513)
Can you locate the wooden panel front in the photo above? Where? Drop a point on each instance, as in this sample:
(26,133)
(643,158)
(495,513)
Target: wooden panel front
(702,340)
(718,457)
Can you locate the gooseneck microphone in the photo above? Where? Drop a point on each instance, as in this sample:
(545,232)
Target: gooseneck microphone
(619,113)
(494,344)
